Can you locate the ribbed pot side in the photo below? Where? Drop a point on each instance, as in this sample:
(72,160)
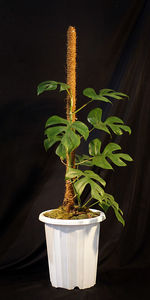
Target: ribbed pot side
(72,248)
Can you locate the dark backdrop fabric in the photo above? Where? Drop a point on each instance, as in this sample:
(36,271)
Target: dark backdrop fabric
(113,51)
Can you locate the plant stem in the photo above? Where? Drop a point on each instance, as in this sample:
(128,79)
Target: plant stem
(91,130)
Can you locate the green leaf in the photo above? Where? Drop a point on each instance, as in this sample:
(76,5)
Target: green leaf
(116,158)
(72,173)
(103,94)
(119,217)
(70,140)
(121,94)
(94,117)
(90,93)
(124,127)
(81,128)
(63,86)
(61,151)
(110,201)
(51,85)
(94,147)
(115,123)
(113,94)
(104,206)
(95,188)
(95,176)
(52,131)
(84,160)
(80,185)
(87,178)
(56,120)
(48,143)
(105,201)
(46,86)
(100,159)
(110,148)
(104,91)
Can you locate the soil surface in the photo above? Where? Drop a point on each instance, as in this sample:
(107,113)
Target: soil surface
(75,214)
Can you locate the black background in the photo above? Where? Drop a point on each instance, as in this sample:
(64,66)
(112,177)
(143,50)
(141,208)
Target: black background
(113,51)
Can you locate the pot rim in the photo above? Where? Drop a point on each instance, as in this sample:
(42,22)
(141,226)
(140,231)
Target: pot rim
(94,220)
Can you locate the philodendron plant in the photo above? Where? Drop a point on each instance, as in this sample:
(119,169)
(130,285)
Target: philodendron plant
(68,134)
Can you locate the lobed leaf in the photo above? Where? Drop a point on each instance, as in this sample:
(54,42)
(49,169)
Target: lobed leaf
(105,201)
(110,202)
(104,91)
(63,86)
(94,147)
(53,131)
(51,85)
(80,185)
(61,151)
(110,148)
(72,173)
(83,159)
(70,140)
(84,178)
(113,94)
(81,128)
(119,216)
(115,123)
(48,143)
(94,118)
(54,120)
(46,86)
(100,159)
(90,93)
(95,176)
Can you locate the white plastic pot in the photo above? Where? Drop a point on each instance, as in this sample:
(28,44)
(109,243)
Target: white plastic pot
(72,247)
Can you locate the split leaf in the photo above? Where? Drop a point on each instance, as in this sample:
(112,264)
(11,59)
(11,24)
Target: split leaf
(84,178)
(115,123)
(68,133)
(103,94)
(51,85)
(90,93)
(81,128)
(100,159)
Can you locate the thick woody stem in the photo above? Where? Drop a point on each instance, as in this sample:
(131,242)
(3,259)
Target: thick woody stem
(71,102)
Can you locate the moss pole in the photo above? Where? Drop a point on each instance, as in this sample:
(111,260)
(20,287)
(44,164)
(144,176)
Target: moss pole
(71,101)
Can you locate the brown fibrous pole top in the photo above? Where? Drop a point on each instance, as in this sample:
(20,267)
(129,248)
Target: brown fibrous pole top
(71,67)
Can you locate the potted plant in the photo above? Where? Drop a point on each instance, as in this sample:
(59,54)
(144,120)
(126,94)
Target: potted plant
(72,230)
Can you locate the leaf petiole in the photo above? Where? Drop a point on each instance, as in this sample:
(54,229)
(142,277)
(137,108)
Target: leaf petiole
(94,203)
(83,161)
(87,202)
(82,106)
